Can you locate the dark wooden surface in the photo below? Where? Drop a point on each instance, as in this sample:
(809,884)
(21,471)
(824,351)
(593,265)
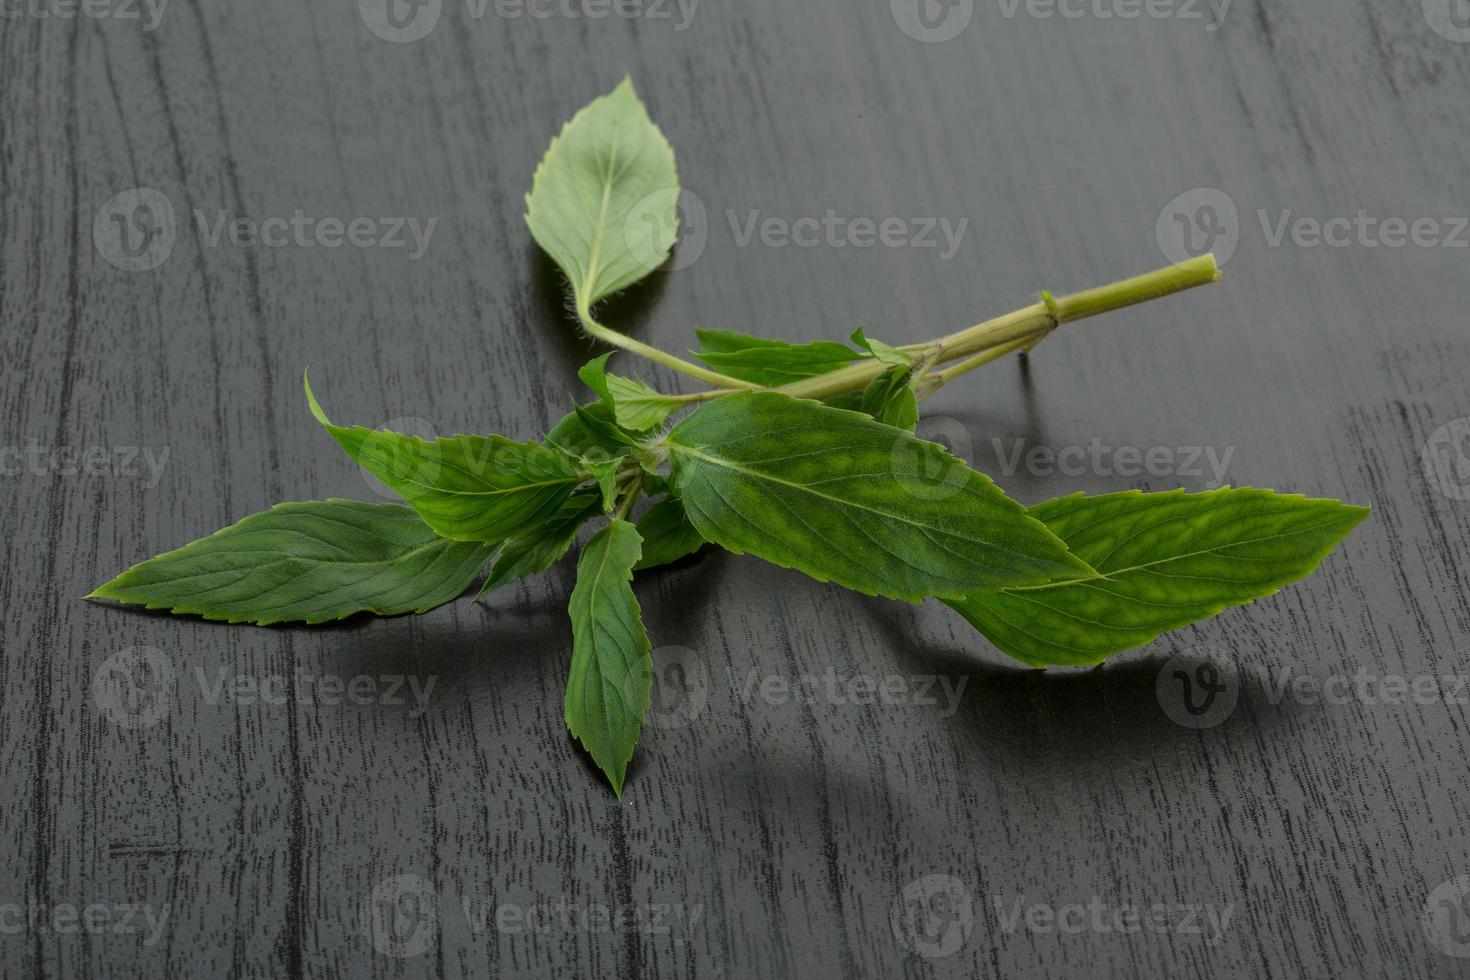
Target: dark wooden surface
(784,832)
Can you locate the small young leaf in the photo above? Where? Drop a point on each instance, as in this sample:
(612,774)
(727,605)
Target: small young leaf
(844,498)
(667,534)
(307,562)
(891,400)
(637,406)
(469,488)
(1164,560)
(604,200)
(605,472)
(612,669)
(544,547)
(886,353)
(634,404)
(769,362)
(594,376)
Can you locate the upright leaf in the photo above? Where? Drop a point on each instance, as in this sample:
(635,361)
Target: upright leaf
(612,669)
(886,353)
(1165,560)
(306,562)
(769,362)
(844,498)
(604,202)
(469,488)
(594,375)
(891,400)
(667,534)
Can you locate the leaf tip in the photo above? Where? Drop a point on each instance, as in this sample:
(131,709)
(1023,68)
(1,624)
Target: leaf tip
(1353,515)
(107,590)
(311,401)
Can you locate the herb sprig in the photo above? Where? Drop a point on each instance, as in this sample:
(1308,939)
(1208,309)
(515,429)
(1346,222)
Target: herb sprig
(802,454)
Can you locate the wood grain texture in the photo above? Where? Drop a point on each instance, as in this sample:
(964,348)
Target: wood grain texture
(785,830)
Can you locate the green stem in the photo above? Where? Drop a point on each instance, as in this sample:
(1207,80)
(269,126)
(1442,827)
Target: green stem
(930,358)
(940,378)
(1027,325)
(971,348)
(700,396)
(631,497)
(609,336)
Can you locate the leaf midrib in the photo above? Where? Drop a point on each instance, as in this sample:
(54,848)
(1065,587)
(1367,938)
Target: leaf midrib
(1110,576)
(757,475)
(518,488)
(591,618)
(411,553)
(600,230)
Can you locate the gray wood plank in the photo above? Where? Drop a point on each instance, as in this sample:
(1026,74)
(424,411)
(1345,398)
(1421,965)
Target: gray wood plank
(765,830)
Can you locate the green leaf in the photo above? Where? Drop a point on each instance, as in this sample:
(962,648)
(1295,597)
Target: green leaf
(1164,560)
(606,429)
(667,534)
(306,562)
(852,401)
(469,488)
(844,498)
(653,484)
(886,353)
(769,362)
(612,669)
(635,405)
(592,438)
(604,202)
(891,400)
(594,376)
(544,547)
(588,430)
